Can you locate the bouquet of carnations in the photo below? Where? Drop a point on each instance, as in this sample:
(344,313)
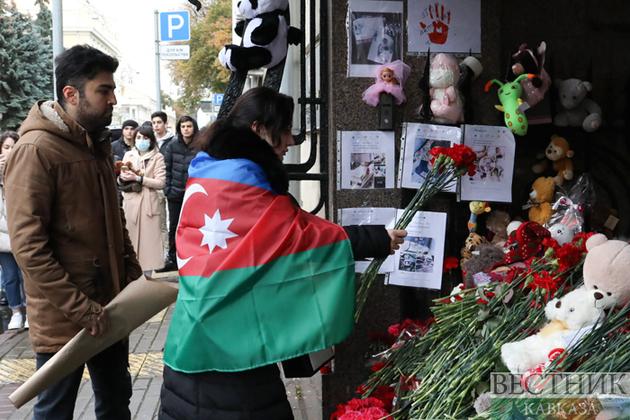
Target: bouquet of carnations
(448,165)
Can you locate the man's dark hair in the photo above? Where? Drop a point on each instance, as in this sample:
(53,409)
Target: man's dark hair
(78,65)
(186,118)
(161,115)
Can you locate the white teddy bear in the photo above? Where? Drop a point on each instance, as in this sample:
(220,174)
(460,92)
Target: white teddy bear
(571,317)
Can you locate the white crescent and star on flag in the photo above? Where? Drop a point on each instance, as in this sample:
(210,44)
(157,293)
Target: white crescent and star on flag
(215,230)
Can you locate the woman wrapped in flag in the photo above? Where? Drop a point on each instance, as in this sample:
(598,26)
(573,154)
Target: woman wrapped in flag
(261,281)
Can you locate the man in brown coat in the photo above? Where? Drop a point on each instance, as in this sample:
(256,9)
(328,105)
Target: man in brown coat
(67,230)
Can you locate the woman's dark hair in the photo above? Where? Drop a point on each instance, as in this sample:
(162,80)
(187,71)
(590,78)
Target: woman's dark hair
(78,65)
(148,132)
(272,109)
(8,135)
(186,118)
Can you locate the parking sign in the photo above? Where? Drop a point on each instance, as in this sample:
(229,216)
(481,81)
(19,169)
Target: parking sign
(175,26)
(218,98)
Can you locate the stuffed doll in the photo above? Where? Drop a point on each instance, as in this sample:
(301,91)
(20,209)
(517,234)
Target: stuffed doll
(510,98)
(606,269)
(560,155)
(571,317)
(389,78)
(526,61)
(446,100)
(476,208)
(574,108)
(540,198)
(265,38)
(472,242)
(120,166)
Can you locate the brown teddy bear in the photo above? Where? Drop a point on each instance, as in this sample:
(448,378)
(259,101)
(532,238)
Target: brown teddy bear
(540,200)
(120,166)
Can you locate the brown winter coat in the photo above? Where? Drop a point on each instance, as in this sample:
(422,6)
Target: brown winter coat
(67,230)
(142,210)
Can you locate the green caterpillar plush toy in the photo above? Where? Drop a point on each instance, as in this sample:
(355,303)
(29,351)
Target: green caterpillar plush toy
(510,98)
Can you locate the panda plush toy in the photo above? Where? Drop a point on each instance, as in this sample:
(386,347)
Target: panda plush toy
(265,38)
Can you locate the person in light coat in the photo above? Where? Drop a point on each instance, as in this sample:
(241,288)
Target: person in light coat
(142,209)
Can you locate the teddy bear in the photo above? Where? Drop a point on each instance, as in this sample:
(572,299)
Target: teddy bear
(526,61)
(540,198)
(560,155)
(120,166)
(266,36)
(575,109)
(485,256)
(572,316)
(606,269)
(497,223)
(446,99)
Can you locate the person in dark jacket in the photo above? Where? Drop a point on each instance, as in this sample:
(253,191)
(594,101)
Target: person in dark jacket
(177,156)
(254,393)
(124,143)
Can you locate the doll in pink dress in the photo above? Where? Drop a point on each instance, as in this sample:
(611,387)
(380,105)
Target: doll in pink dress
(390,78)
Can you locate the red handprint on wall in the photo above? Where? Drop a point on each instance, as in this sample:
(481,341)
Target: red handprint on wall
(440,24)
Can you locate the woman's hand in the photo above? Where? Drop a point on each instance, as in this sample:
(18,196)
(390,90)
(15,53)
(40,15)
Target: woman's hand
(396,236)
(3,159)
(128,175)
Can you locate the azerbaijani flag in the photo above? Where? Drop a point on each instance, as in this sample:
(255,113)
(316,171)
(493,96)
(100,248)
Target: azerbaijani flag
(260,280)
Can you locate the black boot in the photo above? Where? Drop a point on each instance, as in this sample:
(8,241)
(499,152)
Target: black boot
(170,266)
(3,298)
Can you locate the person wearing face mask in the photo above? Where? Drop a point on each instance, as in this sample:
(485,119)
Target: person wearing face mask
(142,209)
(11,274)
(261,280)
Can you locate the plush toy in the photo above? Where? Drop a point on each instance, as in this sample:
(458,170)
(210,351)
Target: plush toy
(524,242)
(476,208)
(446,100)
(510,98)
(472,242)
(563,234)
(497,223)
(560,155)
(575,109)
(390,78)
(120,166)
(570,318)
(606,270)
(484,257)
(265,39)
(540,200)
(526,61)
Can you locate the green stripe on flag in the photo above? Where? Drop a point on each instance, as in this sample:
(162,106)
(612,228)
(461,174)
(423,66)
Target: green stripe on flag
(249,317)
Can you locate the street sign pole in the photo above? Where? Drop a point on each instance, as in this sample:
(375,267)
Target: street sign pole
(157,62)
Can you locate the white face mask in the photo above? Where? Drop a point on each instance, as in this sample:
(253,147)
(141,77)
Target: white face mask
(143,145)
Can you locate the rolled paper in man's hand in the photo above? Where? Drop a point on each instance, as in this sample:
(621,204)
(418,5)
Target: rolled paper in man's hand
(136,304)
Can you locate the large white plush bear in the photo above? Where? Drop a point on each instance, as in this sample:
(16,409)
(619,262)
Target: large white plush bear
(571,317)
(265,38)
(607,271)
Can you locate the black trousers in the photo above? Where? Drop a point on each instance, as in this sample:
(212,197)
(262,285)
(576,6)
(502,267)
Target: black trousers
(174,208)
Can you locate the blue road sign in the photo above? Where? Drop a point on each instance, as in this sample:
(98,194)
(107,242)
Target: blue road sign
(175,26)
(218,98)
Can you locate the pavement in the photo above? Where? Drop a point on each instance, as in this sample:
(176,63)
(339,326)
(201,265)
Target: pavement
(146,344)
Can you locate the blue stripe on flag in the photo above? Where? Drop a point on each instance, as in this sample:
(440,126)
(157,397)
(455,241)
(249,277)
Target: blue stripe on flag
(242,171)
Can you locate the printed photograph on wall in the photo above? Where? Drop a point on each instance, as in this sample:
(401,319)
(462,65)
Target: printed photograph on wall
(374,35)
(415,156)
(444,26)
(366,159)
(496,149)
(416,255)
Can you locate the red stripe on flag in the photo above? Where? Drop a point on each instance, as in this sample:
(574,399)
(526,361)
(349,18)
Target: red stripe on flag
(267,226)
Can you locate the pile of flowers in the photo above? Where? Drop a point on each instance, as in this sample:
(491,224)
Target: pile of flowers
(448,164)
(441,372)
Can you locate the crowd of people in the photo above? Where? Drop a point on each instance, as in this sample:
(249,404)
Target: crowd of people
(81,217)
